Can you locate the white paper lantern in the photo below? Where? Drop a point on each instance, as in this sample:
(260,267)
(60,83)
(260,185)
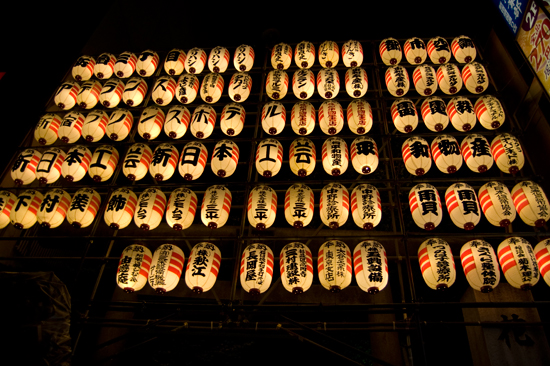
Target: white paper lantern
(269,157)
(111,93)
(256,269)
(135,91)
(83,208)
(166,268)
(480,265)
(390,51)
(364,155)
(164,162)
(281,56)
(147,63)
(299,205)
(7,202)
(404,115)
(181,209)
(187,88)
(164,90)
(416,155)
(328,83)
(461,113)
(23,171)
(304,55)
(335,156)
(105,66)
(464,49)
(203,267)
(497,204)
(425,206)
(120,124)
(218,60)
(240,87)
(95,125)
(366,206)
(334,205)
(302,157)
(334,265)
(195,61)
(507,152)
(476,152)
(303,83)
(329,54)
(446,154)
(475,77)
(120,209)
(203,121)
(76,163)
(243,59)
(449,79)
(542,253)
(232,119)
(462,205)
(276,84)
(71,127)
(262,207)
(439,50)
(177,121)
(397,80)
(65,97)
(151,122)
(192,160)
(48,169)
(225,158)
(434,114)
(352,53)
(23,213)
(88,96)
(415,51)
(174,64)
(357,82)
(296,265)
(83,68)
(303,118)
(45,132)
(137,160)
(489,112)
(273,117)
(531,203)
(125,65)
(425,80)
(437,264)
(331,117)
(518,263)
(150,209)
(212,88)
(133,268)
(53,208)
(359,113)
(371,266)
(215,207)
(103,163)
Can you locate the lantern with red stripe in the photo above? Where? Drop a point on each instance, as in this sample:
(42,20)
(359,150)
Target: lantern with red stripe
(281,56)
(120,124)
(390,51)
(147,63)
(518,262)
(464,49)
(103,163)
(497,204)
(416,155)
(437,264)
(111,93)
(94,126)
(45,132)
(174,64)
(212,87)
(434,114)
(232,119)
(302,118)
(83,68)
(218,60)
(331,117)
(269,157)
(480,265)
(352,53)
(151,122)
(425,206)
(150,209)
(166,268)
(296,265)
(187,89)
(23,213)
(203,267)
(302,157)
(225,158)
(53,208)
(462,205)
(256,269)
(476,153)
(335,156)
(404,115)
(125,65)
(65,97)
(164,162)
(276,84)
(105,66)
(83,208)
(135,91)
(359,113)
(76,163)
(507,152)
(137,160)
(88,96)
(7,200)
(366,206)
(449,79)
(164,90)
(397,80)
(303,83)
(371,266)
(181,208)
(531,203)
(243,59)
(542,253)
(240,87)
(120,209)
(23,171)
(446,154)
(357,82)
(364,155)
(192,160)
(299,205)
(461,113)
(48,169)
(273,117)
(439,50)
(334,265)
(262,207)
(475,77)
(133,268)
(329,54)
(71,127)
(415,51)
(334,205)
(203,121)
(489,112)
(425,80)
(328,83)
(177,121)
(215,207)
(304,55)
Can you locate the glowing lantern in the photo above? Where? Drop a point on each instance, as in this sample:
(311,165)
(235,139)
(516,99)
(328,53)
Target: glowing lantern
(366,206)
(7,200)
(334,205)
(415,51)
(425,80)
(437,264)
(203,267)
(243,59)
(497,204)
(111,93)
(151,122)
(302,118)
(212,87)
(425,206)
(192,160)
(296,265)
(151,205)
(331,117)
(232,119)
(147,63)
(476,153)
(137,160)
(215,206)
(203,121)
(507,153)
(371,266)
(23,214)
(225,158)
(328,83)
(120,124)
(302,157)
(83,68)
(164,163)
(181,209)
(103,163)
(166,268)
(48,169)
(256,269)
(174,64)
(489,112)
(83,208)
(65,97)
(464,49)
(164,90)
(357,82)
(480,265)
(434,113)
(359,113)
(187,89)
(461,113)
(542,253)
(397,80)
(195,61)
(134,91)
(449,79)
(531,203)
(281,56)
(335,156)
(390,51)
(76,163)
(334,265)
(53,208)
(218,60)
(177,121)
(94,126)
(105,66)
(71,127)
(125,65)
(45,132)
(262,207)
(446,154)
(269,157)
(303,83)
(364,155)
(299,205)
(240,87)
(88,96)
(462,205)
(329,54)
(352,53)
(276,84)
(404,115)
(416,155)
(475,77)
(273,118)
(133,268)
(23,171)
(120,209)
(304,55)
(439,50)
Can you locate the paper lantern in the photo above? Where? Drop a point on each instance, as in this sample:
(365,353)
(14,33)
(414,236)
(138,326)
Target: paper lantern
(76,163)
(71,127)
(475,77)
(357,82)
(256,269)
(276,84)
(212,88)
(531,203)
(232,119)
(416,155)
(542,253)
(147,63)
(174,64)
(7,201)
(120,209)
(437,264)
(328,83)
(243,59)
(187,88)
(181,208)
(120,124)
(218,60)
(461,113)
(53,208)
(225,158)
(94,126)
(88,96)
(425,80)
(137,160)
(299,205)
(111,93)
(359,113)
(103,163)
(415,51)
(507,152)
(269,157)
(446,154)
(135,91)
(364,155)
(335,156)
(48,169)
(449,79)
(105,66)
(240,87)
(45,132)
(366,206)
(304,55)
(164,90)
(133,268)
(404,115)
(390,51)
(296,265)
(203,121)
(23,213)
(464,49)
(302,118)
(425,206)
(476,152)
(83,68)
(334,205)
(215,206)
(166,268)
(497,204)
(434,114)
(150,209)
(352,53)
(151,122)
(125,65)
(302,157)
(371,266)
(83,208)
(262,207)
(281,56)
(518,262)
(303,83)
(192,160)
(439,50)
(273,117)
(164,162)
(195,61)
(489,112)
(203,267)
(329,54)
(65,97)
(177,121)
(23,171)
(480,265)
(397,80)
(331,117)
(462,205)
(334,265)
